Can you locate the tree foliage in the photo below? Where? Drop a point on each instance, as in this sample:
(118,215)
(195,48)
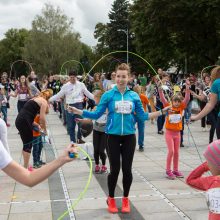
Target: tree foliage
(52,41)
(11,48)
(168,32)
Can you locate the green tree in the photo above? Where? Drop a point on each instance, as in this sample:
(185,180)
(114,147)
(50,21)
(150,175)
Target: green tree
(168,32)
(101,34)
(52,41)
(11,48)
(118,25)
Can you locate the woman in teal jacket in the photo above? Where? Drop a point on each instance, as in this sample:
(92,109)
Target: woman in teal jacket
(123,106)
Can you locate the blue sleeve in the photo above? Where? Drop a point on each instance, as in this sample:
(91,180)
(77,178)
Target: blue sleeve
(100,109)
(140,113)
(215,86)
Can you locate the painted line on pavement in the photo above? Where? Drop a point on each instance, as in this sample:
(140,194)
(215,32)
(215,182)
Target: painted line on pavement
(63,183)
(179,212)
(100,198)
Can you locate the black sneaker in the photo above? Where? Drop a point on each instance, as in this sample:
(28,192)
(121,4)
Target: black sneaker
(141,148)
(36,165)
(41,162)
(80,141)
(160,132)
(181,145)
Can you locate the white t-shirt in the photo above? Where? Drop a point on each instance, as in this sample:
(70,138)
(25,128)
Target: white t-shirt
(5,158)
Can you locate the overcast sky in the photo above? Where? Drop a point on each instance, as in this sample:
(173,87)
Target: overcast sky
(86,14)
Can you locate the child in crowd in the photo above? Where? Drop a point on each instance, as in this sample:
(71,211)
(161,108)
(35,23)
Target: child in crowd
(141,123)
(173,127)
(99,138)
(210,184)
(37,143)
(3,103)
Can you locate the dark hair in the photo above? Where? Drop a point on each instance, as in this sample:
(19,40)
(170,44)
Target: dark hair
(30,79)
(72,73)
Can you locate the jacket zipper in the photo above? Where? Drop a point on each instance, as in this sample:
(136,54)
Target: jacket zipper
(110,124)
(122,118)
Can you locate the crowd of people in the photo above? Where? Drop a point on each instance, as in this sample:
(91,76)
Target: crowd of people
(117,102)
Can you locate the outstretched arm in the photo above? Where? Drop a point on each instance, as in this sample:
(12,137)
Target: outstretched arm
(22,175)
(208,108)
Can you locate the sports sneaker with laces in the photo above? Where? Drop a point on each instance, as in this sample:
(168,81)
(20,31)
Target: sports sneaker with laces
(103,169)
(112,208)
(37,165)
(125,205)
(97,168)
(170,175)
(178,174)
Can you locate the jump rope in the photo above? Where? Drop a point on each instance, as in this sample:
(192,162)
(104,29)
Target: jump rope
(72,155)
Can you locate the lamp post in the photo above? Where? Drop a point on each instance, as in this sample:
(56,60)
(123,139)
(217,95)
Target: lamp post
(126,32)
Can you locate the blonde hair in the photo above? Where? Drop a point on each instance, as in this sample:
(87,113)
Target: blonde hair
(215,73)
(46,94)
(177,98)
(137,89)
(123,66)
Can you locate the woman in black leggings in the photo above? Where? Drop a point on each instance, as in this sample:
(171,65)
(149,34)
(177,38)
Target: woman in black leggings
(25,119)
(123,107)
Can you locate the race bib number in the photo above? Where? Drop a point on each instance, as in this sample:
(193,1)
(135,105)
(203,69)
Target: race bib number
(102,119)
(22,96)
(175,118)
(123,107)
(213,200)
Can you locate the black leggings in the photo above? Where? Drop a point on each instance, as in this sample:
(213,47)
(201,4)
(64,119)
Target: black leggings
(212,117)
(24,127)
(120,147)
(99,143)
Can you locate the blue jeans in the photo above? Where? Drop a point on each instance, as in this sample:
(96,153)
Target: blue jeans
(37,148)
(4,112)
(63,112)
(141,126)
(188,111)
(71,123)
(161,118)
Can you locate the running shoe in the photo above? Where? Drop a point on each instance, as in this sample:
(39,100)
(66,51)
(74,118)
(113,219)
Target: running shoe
(178,174)
(112,208)
(125,205)
(37,165)
(170,175)
(104,169)
(97,169)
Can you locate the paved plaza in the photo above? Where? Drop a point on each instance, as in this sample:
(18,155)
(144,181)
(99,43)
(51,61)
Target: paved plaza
(152,195)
